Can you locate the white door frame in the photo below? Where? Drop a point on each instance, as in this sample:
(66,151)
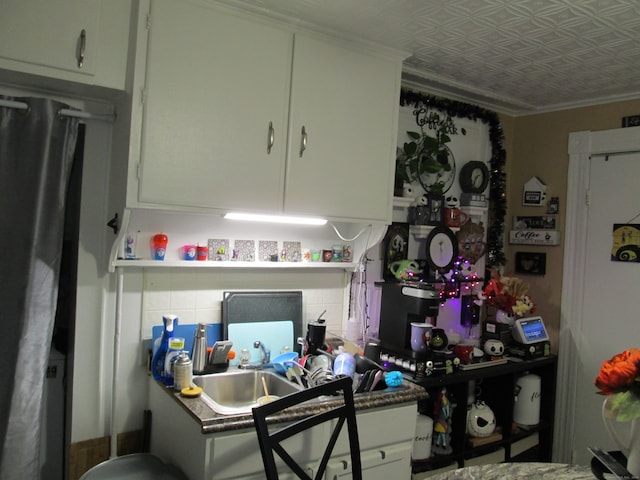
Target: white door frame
(582,145)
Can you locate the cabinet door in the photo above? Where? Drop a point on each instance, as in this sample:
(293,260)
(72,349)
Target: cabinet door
(347,102)
(47,38)
(393,461)
(42,32)
(214,83)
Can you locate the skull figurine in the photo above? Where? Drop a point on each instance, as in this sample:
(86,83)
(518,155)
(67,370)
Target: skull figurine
(452,202)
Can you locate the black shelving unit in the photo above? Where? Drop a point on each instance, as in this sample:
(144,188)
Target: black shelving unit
(498,385)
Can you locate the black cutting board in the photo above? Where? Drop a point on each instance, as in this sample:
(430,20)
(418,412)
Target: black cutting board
(263,306)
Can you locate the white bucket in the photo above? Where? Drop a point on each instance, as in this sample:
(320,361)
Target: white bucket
(526,410)
(423,437)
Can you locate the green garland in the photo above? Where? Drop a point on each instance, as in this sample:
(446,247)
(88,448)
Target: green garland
(497,188)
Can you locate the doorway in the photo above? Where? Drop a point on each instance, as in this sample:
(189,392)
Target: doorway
(598,298)
(55,437)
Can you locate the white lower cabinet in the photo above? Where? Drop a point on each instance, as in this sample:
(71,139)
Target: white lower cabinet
(385,434)
(392,461)
(386,441)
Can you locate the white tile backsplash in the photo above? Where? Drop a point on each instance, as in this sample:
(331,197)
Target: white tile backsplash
(195,295)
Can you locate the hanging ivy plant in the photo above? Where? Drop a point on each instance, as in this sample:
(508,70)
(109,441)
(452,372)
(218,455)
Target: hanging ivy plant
(427,159)
(497,188)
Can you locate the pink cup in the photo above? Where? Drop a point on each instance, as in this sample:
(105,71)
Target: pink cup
(189,252)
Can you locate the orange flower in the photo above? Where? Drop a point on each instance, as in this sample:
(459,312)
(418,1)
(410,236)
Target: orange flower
(620,373)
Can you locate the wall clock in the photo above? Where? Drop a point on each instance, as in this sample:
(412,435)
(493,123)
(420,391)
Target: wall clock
(441,249)
(474,177)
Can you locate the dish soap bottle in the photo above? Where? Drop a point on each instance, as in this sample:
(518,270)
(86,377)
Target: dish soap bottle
(158,360)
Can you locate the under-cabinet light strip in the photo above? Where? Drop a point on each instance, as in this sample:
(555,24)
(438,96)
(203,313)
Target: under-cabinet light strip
(253,217)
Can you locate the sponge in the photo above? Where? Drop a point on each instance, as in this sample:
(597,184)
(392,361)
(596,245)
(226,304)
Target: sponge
(191,392)
(393,379)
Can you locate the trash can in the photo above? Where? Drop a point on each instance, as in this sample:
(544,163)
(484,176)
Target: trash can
(136,466)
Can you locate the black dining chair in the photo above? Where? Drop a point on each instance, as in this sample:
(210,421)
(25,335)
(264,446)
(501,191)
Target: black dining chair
(344,410)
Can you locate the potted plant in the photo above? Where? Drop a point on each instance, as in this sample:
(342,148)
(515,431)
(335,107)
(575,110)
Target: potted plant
(427,159)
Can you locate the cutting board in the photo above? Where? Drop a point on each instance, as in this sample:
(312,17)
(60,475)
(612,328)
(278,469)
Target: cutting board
(274,334)
(262,306)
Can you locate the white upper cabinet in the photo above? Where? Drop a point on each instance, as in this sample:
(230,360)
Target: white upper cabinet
(84,41)
(214,84)
(347,103)
(226,99)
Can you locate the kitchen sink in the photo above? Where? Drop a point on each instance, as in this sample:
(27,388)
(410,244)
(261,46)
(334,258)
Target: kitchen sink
(237,392)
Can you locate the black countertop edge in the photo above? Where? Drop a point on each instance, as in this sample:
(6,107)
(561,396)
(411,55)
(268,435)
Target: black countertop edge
(212,422)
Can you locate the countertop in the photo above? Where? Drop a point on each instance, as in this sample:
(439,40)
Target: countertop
(519,471)
(213,422)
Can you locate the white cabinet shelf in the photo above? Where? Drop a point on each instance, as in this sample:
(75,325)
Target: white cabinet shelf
(240,265)
(184,228)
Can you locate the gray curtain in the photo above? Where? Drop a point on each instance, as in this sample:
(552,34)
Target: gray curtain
(36,154)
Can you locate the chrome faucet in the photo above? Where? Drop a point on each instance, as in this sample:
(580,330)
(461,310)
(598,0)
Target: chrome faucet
(266,354)
(265,357)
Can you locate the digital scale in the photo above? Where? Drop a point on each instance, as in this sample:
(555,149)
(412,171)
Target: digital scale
(531,339)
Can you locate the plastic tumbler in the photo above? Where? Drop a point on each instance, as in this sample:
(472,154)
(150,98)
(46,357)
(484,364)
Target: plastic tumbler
(189,252)
(159,244)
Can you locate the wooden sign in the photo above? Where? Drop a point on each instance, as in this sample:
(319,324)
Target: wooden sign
(534,222)
(534,237)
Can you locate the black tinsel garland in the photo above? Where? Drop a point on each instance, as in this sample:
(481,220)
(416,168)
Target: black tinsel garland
(497,188)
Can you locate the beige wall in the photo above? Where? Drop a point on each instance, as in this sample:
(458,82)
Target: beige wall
(536,145)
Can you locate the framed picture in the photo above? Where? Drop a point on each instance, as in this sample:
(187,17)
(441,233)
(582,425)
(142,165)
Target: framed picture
(394,247)
(436,209)
(531,263)
(626,242)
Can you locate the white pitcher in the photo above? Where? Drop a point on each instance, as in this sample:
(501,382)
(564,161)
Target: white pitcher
(630,447)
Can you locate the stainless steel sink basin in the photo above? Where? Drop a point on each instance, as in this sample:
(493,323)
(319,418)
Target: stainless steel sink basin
(237,392)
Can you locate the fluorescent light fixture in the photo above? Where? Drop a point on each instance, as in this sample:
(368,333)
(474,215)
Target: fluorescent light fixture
(254,217)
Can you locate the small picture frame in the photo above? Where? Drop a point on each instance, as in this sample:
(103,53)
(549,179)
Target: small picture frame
(436,209)
(531,263)
(218,249)
(244,251)
(394,247)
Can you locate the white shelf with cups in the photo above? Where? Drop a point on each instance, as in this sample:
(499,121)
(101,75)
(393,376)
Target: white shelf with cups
(420,232)
(232,264)
(203,241)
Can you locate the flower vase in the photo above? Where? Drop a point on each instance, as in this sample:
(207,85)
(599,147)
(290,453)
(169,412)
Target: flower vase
(631,447)
(502,316)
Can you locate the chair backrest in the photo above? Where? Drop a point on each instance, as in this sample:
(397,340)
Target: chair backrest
(344,411)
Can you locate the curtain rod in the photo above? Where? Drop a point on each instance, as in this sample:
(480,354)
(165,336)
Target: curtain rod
(65,111)
(613,154)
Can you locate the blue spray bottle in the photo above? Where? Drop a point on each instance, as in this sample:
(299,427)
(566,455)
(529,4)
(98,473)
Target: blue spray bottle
(157,362)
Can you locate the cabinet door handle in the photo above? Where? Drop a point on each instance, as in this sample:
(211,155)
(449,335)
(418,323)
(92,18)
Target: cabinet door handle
(82,47)
(303,141)
(270,137)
